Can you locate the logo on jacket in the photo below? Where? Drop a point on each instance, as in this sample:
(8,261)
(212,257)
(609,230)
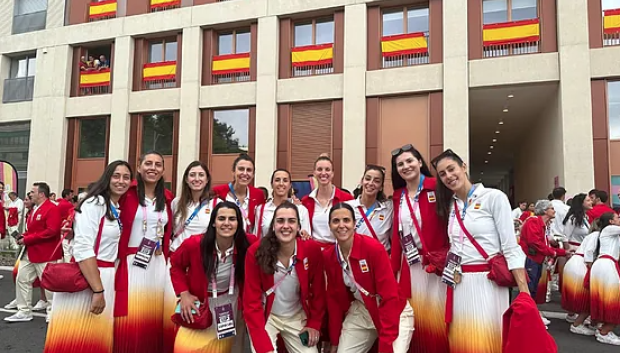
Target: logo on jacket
(431,196)
(363,266)
(306,264)
(38,217)
(477,206)
(381,217)
(207,210)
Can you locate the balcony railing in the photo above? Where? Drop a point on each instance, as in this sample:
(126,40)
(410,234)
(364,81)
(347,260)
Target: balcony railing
(611,27)
(95,82)
(29,22)
(312,60)
(405,49)
(511,38)
(163,5)
(231,68)
(159,75)
(102,10)
(18,89)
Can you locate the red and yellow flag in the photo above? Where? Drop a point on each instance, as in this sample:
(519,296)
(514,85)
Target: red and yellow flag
(231,63)
(404,44)
(166,70)
(611,21)
(102,9)
(525,31)
(312,55)
(94,78)
(164,3)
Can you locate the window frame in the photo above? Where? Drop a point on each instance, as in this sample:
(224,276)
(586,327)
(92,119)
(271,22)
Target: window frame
(404,10)
(163,42)
(313,22)
(79,137)
(608,108)
(17,60)
(509,10)
(141,126)
(212,130)
(234,34)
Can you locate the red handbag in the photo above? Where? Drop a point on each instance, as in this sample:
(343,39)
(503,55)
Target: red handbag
(202,320)
(500,274)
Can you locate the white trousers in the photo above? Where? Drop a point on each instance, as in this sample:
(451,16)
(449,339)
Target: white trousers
(27,272)
(359,332)
(67,250)
(288,328)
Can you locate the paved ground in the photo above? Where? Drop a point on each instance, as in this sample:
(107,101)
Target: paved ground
(30,337)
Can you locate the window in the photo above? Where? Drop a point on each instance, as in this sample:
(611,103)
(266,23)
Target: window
(230,131)
(238,69)
(405,20)
(613,108)
(23,67)
(235,42)
(314,32)
(14,144)
(29,15)
(610,4)
(157,133)
(313,61)
(499,11)
(163,76)
(92,143)
(161,51)
(20,84)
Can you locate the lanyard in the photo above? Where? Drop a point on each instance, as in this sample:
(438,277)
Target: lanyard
(243,211)
(287,272)
(468,201)
(191,217)
(453,215)
(344,265)
(416,200)
(369,213)
(145,222)
(231,282)
(118,219)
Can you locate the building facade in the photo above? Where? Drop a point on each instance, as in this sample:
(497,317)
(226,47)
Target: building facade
(524,90)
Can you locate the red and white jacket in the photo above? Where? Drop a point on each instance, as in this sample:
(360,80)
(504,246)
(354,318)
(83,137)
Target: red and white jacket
(43,234)
(309,268)
(256,198)
(371,269)
(310,203)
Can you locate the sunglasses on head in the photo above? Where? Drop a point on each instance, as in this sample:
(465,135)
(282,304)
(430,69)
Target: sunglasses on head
(445,154)
(406,148)
(375,166)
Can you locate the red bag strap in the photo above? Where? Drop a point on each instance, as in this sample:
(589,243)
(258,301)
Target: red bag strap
(370,228)
(457,214)
(415,220)
(260,221)
(97,240)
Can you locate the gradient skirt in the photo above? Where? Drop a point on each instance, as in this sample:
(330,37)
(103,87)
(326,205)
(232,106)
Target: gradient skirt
(170,303)
(142,330)
(74,329)
(479,305)
(428,300)
(605,292)
(575,297)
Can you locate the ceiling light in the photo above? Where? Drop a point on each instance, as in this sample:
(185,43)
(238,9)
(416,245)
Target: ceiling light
(497,131)
(491,147)
(481,173)
(494,140)
(511,96)
(505,110)
(489,152)
(501,122)
(486,162)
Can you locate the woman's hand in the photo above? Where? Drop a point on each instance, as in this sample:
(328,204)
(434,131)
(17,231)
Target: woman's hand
(305,235)
(313,336)
(66,229)
(97,303)
(187,305)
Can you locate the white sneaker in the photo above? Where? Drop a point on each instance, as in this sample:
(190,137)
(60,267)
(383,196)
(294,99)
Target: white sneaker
(582,330)
(47,318)
(571,318)
(1,276)
(609,338)
(12,305)
(544,320)
(20,316)
(40,306)
(555,287)
(587,321)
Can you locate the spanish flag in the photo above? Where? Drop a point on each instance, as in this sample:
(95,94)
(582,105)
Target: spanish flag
(231,63)
(102,9)
(166,70)
(312,55)
(404,44)
(164,3)
(611,21)
(515,32)
(94,78)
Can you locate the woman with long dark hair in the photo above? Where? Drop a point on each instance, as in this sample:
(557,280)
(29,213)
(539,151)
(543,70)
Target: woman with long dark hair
(419,233)
(209,269)
(373,211)
(282,186)
(84,321)
(480,227)
(284,291)
(239,191)
(358,274)
(576,225)
(144,246)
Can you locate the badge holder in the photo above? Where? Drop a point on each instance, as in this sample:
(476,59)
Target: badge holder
(411,251)
(225,321)
(160,235)
(145,253)
(452,273)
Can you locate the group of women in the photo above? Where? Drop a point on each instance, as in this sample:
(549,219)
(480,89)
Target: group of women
(191,274)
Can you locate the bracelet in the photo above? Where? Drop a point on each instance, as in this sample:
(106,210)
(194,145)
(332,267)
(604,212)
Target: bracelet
(99,292)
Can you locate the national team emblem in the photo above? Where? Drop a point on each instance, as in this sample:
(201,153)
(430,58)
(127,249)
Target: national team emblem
(207,210)
(477,206)
(363,266)
(431,196)
(38,217)
(381,217)
(306,264)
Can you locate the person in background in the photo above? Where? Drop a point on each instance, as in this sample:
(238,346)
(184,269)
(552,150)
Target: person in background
(557,231)
(15,212)
(529,212)
(599,205)
(550,197)
(576,224)
(52,198)
(103,62)
(66,210)
(516,213)
(41,241)
(265,192)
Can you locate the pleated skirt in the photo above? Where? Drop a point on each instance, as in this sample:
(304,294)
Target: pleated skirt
(575,297)
(605,292)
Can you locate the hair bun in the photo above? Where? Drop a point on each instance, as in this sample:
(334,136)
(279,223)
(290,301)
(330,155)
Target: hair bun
(324,155)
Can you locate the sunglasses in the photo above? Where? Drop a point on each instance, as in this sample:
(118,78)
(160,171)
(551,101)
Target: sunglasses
(445,154)
(406,148)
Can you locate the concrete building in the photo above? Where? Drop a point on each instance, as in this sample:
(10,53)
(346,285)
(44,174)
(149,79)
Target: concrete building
(524,90)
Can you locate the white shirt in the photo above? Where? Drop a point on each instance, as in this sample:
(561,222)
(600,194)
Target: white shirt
(516,213)
(244,207)
(561,209)
(380,219)
(198,225)
(588,247)
(347,278)
(610,241)
(86,229)
(320,219)
(269,210)
(18,203)
(152,218)
(406,222)
(287,301)
(224,267)
(576,234)
(489,220)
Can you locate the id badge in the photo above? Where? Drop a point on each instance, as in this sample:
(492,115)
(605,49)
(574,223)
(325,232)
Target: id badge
(145,253)
(410,250)
(225,320)
(452,272)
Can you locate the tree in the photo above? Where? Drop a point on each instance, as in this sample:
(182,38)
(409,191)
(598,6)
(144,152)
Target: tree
(224,140)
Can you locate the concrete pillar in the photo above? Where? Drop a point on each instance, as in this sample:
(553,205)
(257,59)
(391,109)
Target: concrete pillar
(6,18)
(48,131)
(189,128)
(354,88)
(122,82)
(455,78)
(575,95)
(5,70)
(55,14)
(266,106)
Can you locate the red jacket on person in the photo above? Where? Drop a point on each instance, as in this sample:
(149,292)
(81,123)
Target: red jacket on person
(597,211)
(64,208)
(434,231)
(43,234)
(3,221)
(309,269)
(533,241)
(523,330)
(257,197)
(310,203)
